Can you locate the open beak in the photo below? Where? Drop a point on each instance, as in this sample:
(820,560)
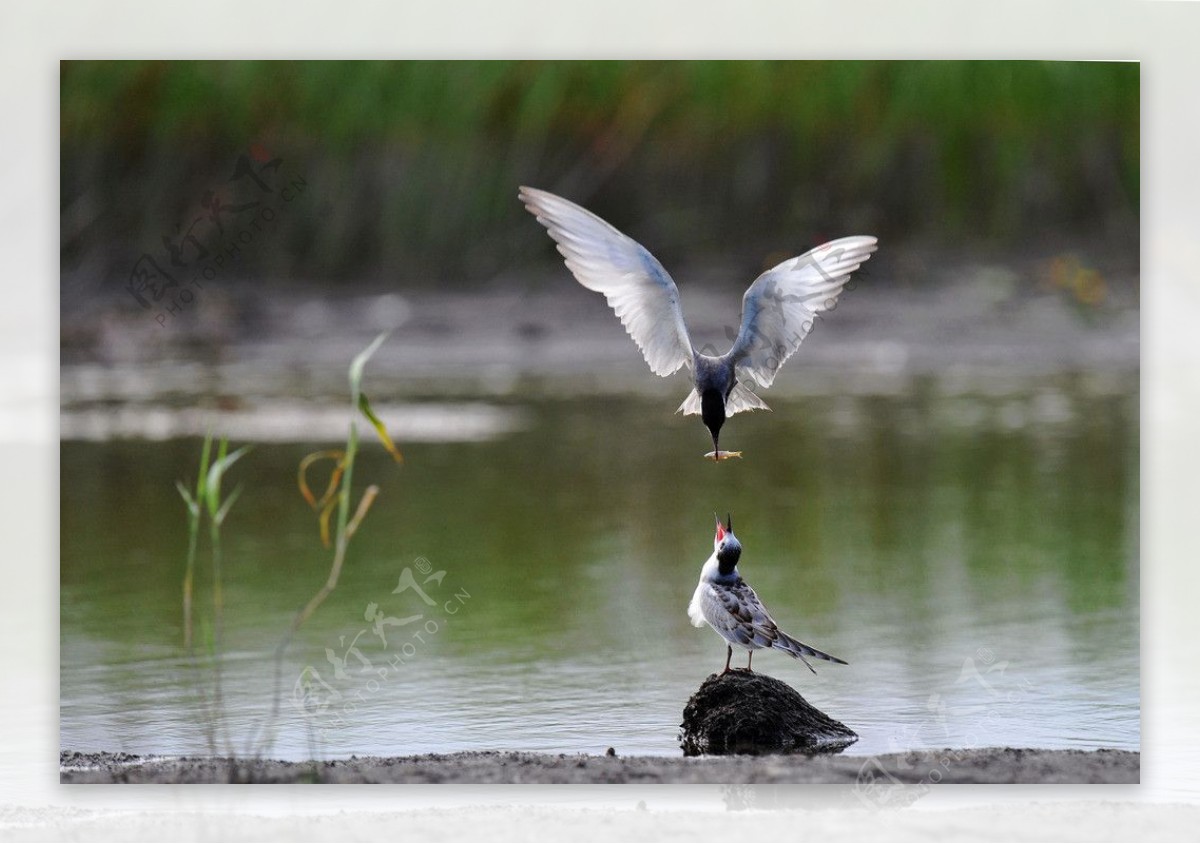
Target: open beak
(720,529)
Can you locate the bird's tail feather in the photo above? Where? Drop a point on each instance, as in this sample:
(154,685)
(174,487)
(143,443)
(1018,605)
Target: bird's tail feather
(800,650)
(742,399)
(691,405)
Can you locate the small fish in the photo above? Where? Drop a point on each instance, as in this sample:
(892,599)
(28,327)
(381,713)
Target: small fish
(722,455)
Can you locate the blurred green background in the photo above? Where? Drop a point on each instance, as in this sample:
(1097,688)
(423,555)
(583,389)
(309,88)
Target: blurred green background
(413,166)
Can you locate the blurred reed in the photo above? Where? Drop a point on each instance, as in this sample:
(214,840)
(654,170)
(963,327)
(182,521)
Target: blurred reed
(413,167)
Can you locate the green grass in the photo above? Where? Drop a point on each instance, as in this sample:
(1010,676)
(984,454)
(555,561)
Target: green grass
(337,497)
(207,504)
(414,165)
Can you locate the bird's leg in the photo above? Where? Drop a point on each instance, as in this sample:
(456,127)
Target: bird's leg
(749,660)
(728,656)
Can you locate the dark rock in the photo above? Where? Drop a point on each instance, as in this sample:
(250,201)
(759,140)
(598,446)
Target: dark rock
(744,712)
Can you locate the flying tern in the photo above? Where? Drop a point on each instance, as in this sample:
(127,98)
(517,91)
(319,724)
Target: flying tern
(778,309)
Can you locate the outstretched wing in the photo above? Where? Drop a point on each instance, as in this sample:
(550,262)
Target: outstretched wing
(635,284)
(780,307)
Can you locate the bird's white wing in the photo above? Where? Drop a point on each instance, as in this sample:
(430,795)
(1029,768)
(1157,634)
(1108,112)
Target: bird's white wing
(782,304)
(738,615)
(735,612)
(635,284)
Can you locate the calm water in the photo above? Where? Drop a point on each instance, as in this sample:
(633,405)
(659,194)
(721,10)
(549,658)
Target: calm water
(972,555)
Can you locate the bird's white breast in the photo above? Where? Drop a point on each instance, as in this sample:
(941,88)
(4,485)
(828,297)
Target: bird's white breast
(695,610)
(708,574)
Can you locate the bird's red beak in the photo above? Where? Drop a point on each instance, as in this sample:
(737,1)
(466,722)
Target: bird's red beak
(720,531)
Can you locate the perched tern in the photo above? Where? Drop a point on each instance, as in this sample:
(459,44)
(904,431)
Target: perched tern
(728,605)
(778,309)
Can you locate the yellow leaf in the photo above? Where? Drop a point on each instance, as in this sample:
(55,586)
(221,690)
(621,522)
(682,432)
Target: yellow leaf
(377,424)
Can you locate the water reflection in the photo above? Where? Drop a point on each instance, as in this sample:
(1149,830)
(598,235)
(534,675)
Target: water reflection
(974,557)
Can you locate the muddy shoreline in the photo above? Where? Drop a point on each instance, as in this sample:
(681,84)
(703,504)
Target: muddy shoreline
(877,778)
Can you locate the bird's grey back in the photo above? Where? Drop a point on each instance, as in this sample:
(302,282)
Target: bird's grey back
(713,373)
